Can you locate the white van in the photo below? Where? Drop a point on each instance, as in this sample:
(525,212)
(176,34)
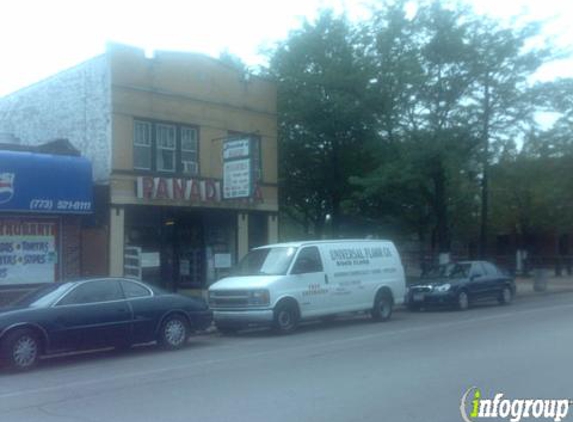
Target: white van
(282,284)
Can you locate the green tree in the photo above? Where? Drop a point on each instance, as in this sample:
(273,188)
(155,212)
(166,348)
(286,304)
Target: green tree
(500,107)
(453,88)
(422,74)
(323,123)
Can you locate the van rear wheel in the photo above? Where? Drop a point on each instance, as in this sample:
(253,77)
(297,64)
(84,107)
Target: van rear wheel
(383,307)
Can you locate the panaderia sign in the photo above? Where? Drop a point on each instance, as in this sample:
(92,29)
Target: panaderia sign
(184,190)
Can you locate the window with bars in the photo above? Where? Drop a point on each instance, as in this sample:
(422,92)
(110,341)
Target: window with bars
(189,150)
(142,146)
(165,147)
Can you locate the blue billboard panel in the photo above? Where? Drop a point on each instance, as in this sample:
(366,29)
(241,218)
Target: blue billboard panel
(45,183)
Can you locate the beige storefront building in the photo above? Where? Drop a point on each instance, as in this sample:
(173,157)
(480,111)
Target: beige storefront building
(155,129)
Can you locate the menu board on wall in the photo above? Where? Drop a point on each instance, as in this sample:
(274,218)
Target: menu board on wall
(28,252)
(237,169)
(237,179)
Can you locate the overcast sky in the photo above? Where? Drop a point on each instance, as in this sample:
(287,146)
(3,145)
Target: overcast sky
(41,37)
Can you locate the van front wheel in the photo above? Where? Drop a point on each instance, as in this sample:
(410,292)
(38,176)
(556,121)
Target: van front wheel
(383,307)
(285,318)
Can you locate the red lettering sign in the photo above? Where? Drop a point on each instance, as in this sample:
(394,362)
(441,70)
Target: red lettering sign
(191,190)
(195,191)
(179,189)
(257,193)
(147,183)
(210,191)
(162,191)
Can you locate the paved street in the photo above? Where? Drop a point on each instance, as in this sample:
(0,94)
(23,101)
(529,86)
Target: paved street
(414,368)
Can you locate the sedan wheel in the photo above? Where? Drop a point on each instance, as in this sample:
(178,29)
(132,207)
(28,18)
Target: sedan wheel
(174,332)
(463,301)
(21,349)
(505,296)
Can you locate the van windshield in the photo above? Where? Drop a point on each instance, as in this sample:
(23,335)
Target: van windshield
(266,261)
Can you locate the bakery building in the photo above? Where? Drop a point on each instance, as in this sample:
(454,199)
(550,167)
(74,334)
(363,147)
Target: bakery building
(184,155)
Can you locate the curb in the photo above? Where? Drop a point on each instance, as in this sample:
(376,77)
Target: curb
(212,330)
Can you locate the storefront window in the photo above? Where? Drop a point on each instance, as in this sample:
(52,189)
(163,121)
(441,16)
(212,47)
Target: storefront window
(28,251)
(181,248)
(258,229)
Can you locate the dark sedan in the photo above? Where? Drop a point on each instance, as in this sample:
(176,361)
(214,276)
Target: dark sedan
(96,313)
(460,285)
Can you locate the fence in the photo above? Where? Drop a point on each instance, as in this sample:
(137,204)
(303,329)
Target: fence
(558,265)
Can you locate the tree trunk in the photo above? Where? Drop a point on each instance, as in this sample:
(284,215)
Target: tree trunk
(484,212)
(335,196)
(485,165)
(441,206)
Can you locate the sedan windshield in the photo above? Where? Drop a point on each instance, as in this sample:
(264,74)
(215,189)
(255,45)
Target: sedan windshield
(438,271)
(266,261)
(460,271)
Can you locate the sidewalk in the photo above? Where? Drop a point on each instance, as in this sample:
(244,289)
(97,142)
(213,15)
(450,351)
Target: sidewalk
(525,286)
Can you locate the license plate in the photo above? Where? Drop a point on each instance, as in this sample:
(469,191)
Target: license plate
(418,297)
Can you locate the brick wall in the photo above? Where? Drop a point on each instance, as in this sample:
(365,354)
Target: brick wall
(70,258)
(74,104)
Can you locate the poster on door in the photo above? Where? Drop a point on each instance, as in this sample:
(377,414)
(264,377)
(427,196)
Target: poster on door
(28,252)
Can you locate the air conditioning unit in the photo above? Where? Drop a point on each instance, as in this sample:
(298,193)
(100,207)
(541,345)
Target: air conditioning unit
(190,167)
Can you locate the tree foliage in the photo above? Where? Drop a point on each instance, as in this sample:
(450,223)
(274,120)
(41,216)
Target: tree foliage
(323,127)
(403,118)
